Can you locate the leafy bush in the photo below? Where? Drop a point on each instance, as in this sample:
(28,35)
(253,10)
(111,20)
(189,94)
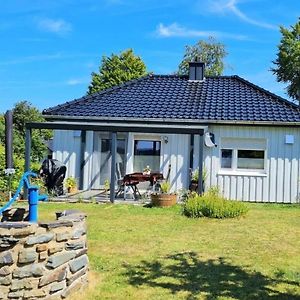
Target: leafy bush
(19,167)
(38,181)
(212,205)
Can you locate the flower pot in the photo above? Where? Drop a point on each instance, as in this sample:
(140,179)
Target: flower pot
(193,186)
(163,200)
(72,190)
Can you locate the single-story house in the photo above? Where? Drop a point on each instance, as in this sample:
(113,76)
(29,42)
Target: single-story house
(244,138)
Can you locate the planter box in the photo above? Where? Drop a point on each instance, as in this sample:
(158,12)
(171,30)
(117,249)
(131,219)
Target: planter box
(163,200)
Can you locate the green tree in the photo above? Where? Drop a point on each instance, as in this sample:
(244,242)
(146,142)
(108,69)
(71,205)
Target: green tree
(117,69)
(2,129)
(24,112)
(211,52)
(287,63)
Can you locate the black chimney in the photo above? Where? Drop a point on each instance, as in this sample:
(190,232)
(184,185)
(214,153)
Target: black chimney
(196,70)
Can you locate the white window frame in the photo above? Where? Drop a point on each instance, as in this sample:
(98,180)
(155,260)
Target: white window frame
(148,137)
(238,145)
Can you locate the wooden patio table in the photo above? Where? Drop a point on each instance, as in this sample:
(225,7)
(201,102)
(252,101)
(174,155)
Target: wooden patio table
(133,179)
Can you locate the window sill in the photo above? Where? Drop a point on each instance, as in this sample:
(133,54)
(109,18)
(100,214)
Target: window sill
(242,173)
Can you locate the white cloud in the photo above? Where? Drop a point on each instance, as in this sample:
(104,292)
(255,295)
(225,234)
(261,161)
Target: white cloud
(224,6)
(33,58)
(46,57)
(77,81)
(58,26)
(175,30)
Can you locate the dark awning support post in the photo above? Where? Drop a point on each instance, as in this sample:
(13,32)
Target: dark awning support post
(82,158)
(191,157)
(113,166)
(27,149)
(200,179)
(27,155)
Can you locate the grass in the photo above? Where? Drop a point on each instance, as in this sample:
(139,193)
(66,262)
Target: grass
(143,253)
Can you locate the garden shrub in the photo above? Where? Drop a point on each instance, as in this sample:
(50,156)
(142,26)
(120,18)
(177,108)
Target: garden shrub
(19,168)
(212,205)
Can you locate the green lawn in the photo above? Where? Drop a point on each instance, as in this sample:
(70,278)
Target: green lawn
(153,253)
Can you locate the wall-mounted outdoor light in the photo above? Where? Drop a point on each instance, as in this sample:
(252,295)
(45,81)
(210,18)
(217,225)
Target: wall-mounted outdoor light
(165,139)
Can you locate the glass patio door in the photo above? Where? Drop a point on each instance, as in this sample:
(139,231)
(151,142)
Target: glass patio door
(105,159)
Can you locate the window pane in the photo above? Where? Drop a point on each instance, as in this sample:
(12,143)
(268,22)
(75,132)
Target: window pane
(146,153)
(226,160)
(251,159)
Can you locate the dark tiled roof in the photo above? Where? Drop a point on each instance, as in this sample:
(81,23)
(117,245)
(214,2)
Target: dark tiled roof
(222,98)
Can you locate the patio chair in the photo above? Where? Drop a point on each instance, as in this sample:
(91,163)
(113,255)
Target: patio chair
(119,178)
(125,186)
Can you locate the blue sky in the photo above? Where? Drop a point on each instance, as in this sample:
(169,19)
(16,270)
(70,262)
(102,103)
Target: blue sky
(49,48)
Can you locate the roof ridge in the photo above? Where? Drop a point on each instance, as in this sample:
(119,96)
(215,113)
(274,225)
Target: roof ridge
(266,92)
(221,76)
(83,98)
(169,75)
(186,76)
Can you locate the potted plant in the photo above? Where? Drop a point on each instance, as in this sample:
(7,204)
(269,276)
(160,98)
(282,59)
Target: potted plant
(146,170)
(195,177)
(71,185)
(164,198)
(106,186)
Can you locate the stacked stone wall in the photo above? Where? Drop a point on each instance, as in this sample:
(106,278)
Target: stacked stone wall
(43,261)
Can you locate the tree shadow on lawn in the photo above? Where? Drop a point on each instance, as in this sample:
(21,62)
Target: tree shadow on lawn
(186,273)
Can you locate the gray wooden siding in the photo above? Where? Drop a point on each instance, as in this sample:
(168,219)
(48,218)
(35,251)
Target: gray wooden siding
(280,183)
(67,149)
(175,152)
(66,146)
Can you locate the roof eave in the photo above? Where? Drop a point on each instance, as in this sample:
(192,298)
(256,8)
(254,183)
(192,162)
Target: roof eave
(169,120)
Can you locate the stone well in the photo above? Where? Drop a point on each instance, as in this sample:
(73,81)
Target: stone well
(43,261)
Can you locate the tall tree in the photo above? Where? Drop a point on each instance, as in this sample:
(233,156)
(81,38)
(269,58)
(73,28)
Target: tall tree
(211,52)
(24,112)
(287,63)
(117,69)
(2,129)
